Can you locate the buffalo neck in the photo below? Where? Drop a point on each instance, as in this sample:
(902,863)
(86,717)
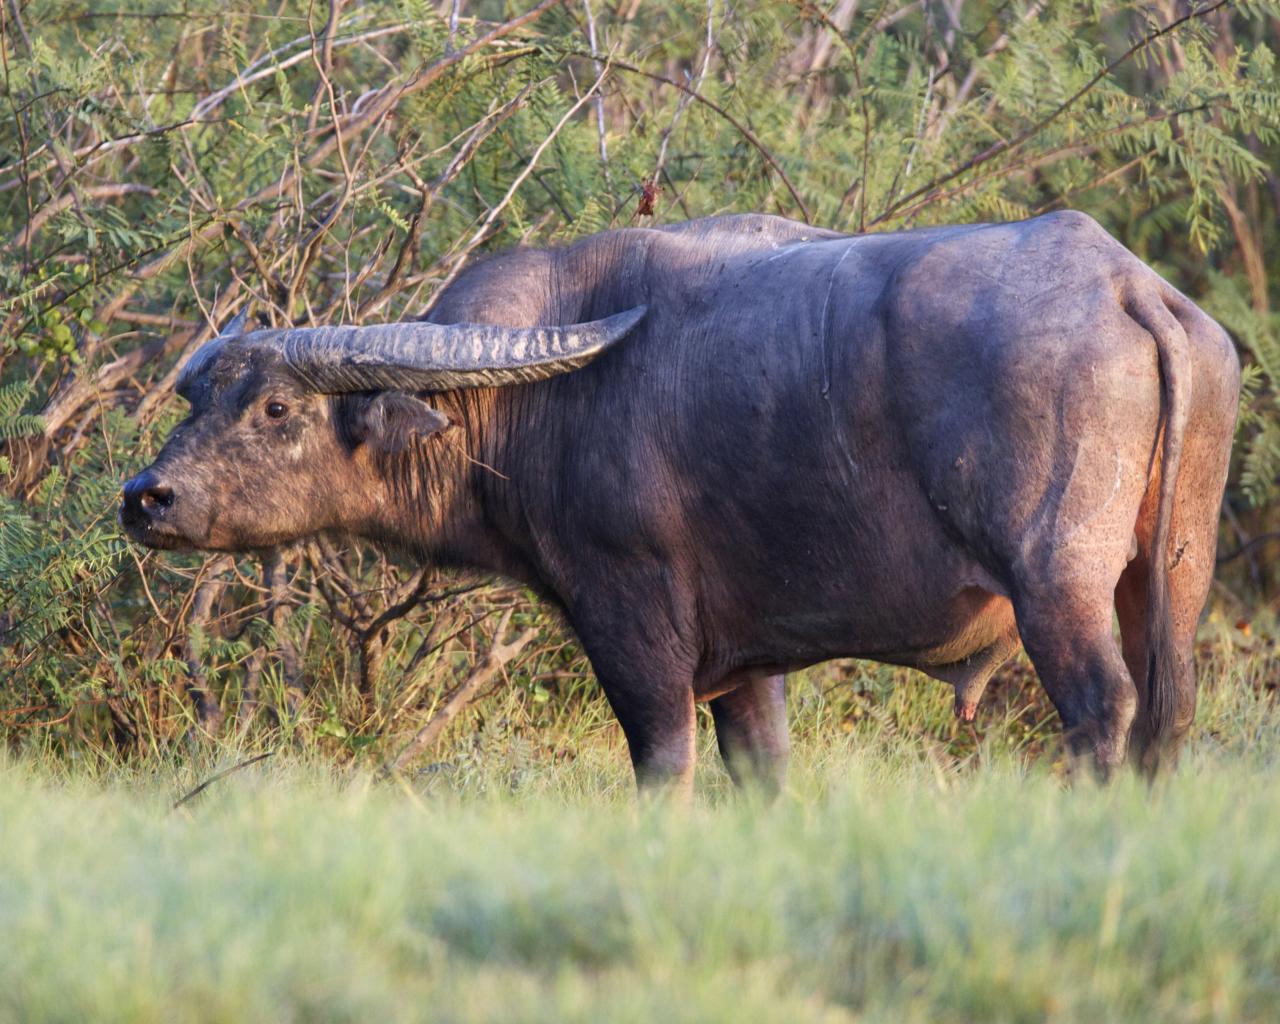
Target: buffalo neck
(459,498)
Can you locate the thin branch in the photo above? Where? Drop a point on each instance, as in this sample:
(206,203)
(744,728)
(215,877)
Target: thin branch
(499,656)
(200,112)
(1047,157)
(219,776)
(486,127)
(208,711)
(370,114)
(707,47)
(56,206)
(458,261)
(1007,145)
(834,29)
(742,129)
(599,102)
(1262,538)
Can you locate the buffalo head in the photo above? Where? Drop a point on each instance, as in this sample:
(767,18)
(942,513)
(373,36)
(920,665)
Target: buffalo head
(283,423)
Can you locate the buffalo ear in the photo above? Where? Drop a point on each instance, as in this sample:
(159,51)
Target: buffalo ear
(391,421)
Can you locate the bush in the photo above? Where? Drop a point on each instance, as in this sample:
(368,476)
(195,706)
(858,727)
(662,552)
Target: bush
(162,170)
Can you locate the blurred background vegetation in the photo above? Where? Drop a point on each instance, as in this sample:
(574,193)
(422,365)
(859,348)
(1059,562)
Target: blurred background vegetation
(162,165)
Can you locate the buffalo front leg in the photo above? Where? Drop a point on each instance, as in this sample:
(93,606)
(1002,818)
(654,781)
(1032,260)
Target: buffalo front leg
(652,698)
(751,730)
(645,664)
(659,725)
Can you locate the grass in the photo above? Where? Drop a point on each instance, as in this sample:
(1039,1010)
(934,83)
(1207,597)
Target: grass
(904,877)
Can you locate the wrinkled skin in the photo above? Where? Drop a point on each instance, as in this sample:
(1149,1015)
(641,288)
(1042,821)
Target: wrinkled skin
(921,448)
(251,479)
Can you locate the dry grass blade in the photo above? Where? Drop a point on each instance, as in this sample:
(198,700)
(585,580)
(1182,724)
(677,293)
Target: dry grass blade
(218,776)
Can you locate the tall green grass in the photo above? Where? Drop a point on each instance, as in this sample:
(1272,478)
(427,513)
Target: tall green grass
(898,880)
(1000,895)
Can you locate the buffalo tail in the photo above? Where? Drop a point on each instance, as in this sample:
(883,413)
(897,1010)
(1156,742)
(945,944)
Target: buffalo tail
(1160,706)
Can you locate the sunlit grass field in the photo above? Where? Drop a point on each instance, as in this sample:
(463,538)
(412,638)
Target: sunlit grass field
(916,870)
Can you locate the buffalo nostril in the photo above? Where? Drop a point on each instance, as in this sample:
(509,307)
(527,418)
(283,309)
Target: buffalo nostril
(157,499)
(145,496)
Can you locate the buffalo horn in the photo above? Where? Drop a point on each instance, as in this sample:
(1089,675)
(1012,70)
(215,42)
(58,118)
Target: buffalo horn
(204,356)
(422,356)
(236,327)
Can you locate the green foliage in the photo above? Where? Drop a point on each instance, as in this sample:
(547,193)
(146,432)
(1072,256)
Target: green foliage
(58,551)
(13,421)
(1258,331)
(157,172)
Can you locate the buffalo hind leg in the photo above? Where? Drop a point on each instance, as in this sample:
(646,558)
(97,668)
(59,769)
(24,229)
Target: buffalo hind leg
(751,730)
(1070,642)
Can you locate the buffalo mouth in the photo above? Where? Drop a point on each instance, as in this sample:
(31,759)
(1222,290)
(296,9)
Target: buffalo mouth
(152,533)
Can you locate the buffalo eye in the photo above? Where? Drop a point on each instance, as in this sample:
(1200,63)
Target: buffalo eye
(277,410)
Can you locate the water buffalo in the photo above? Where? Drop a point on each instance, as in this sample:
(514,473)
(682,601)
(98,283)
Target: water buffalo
(756,446)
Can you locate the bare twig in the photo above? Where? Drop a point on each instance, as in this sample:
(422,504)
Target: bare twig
(458,259)
(813,9)
(219,776)
(1262,538)
(499,656)
(1007,145)
(455,9)
(1044,158)
(599,102)
(687,98)
(368,116)
(208,711)
(205,107)
(741,128)
(483,130)
(274,572)
(56,206)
